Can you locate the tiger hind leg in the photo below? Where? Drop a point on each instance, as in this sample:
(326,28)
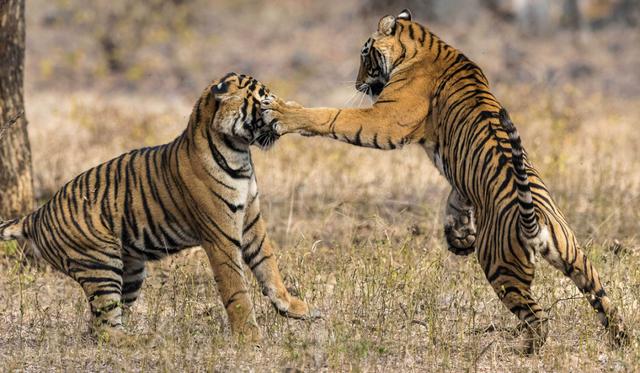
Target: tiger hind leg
(574,264)
(459,227)
(133,277)
(512,284)
(516,296)
(102,284)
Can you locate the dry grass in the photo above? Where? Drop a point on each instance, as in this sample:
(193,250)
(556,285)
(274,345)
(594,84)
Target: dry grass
(360,237)
(359,231)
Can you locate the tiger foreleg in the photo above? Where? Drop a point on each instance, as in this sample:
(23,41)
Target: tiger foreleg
(259,255)
(228,272)
(260,258)
(376,127)
(459,226)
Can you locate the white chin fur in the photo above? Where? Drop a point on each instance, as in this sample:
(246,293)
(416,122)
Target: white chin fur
(13,232)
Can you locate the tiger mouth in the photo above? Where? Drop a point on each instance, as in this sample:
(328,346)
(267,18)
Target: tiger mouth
(376,88)
(372,89)
(266,138)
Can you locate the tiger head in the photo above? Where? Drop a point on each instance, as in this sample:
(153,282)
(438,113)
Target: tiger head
(237,110)
(382,53)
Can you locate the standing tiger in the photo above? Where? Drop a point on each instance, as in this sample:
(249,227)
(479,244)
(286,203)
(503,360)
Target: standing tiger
(429,93)
(200,189)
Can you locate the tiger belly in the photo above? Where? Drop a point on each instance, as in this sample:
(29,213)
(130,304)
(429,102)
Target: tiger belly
(432,151)
(159,242)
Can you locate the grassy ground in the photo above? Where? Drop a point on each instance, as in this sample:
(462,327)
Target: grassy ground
(359,231)
(360,237)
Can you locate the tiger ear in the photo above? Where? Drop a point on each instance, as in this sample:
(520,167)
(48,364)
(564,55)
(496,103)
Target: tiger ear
(387,25)
(405,14)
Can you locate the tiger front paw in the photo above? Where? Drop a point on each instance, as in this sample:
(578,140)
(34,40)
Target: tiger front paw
(277,113)
(248,334)
(296,308)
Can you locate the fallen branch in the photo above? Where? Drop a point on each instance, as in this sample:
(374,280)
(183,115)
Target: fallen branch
(420,322)
(559,300)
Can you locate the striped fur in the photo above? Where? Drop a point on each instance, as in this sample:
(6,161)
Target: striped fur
(528,221)
(200,189)
(427,92)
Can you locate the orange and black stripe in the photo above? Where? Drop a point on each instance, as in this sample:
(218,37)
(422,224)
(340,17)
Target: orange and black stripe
(427,92)
(200,189)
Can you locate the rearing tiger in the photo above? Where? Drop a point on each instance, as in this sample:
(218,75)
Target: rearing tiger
(429,93)
(200,189)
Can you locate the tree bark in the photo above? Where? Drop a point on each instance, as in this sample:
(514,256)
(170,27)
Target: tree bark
(571,14)
(16,183)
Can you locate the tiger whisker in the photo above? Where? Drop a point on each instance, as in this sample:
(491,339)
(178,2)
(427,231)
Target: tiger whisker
(351,98)
(362,96)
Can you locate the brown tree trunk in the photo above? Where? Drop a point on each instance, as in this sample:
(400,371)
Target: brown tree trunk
(16,184)
(571,14)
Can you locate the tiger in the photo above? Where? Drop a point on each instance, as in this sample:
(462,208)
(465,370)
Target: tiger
(198,190)
(426,92)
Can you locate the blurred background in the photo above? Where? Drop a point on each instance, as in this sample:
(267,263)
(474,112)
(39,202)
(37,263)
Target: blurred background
(359,230)
(308,48)
(124,67)
(109,75)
